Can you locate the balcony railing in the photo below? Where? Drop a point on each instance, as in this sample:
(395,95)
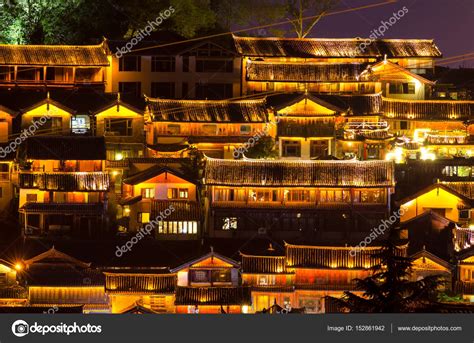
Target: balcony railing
(79,181)
(464,287)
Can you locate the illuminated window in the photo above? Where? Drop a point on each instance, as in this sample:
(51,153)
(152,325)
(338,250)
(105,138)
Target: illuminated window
(143,217)
(178,193)
(263,195)
(296,195)
(177,227)
(148,193)
(229,223)
(183,193)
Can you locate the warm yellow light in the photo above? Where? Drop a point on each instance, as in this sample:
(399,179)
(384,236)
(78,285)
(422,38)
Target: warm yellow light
(427,155)
(419,135)
(245,309)
(18,266)
(119,156)
(395,155)
(115,173)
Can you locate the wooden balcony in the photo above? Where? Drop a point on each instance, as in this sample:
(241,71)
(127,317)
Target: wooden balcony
(66,182)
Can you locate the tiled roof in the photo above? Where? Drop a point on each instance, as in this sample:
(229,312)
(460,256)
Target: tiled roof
(364,104)
(367,104)
(67,182)
(332,257)
(464,188)
(334,47)
(63,275)
(208,111)
(54,55)
(146,282)
(308,72)
(428,109)
(213,296)
(263,264)
(64,148)
(285,173)
(183,210)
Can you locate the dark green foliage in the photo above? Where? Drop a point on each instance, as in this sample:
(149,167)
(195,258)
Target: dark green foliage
(389,289)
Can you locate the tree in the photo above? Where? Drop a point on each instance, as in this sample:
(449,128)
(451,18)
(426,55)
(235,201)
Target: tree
(231,14)
(263,148)
(87,21)
(389,289)
(298,10)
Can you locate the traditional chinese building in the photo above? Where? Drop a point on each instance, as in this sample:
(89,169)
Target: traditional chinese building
(63,186)
(215,127)
(328,65)
(210,284)
(53,66)
(54,279)
(166,194)
(302,276)
(323,199)
(150,288)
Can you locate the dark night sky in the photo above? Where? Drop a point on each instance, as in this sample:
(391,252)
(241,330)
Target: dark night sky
(449,22)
